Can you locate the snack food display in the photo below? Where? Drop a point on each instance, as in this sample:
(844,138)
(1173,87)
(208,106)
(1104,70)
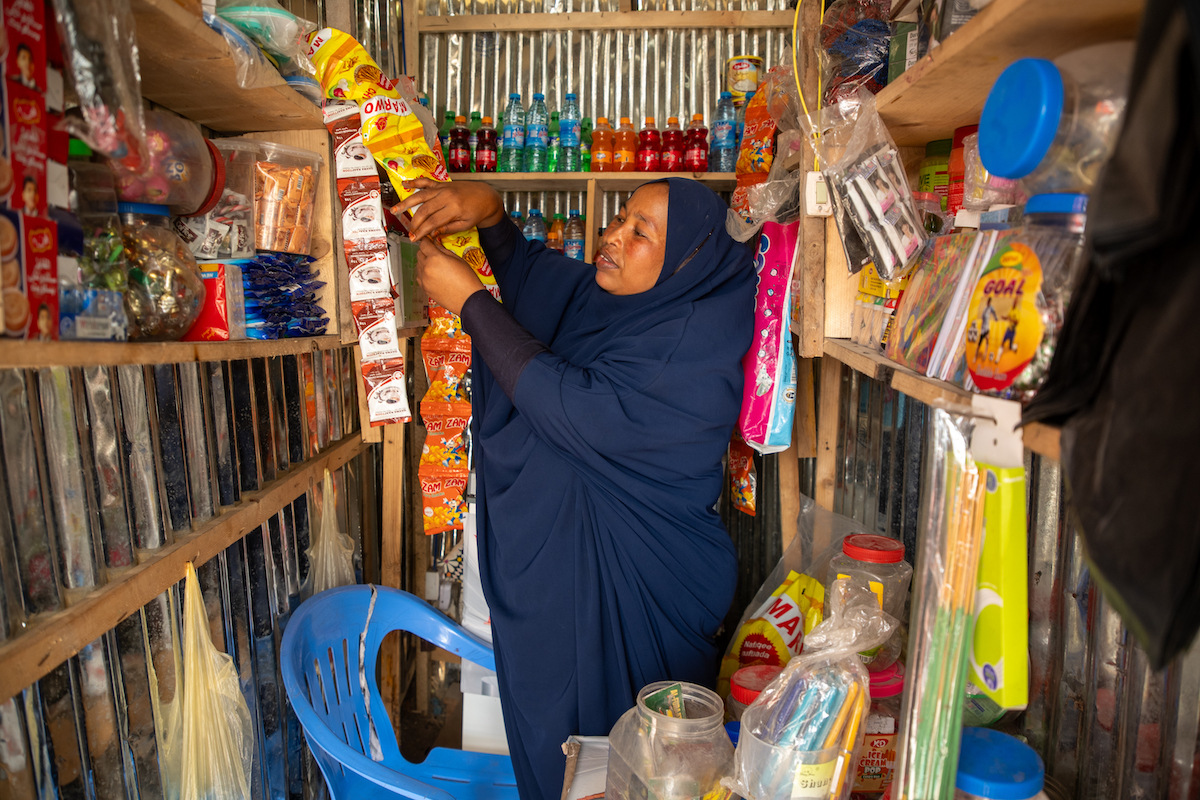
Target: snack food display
(285,193)
(227,230)
(166,290)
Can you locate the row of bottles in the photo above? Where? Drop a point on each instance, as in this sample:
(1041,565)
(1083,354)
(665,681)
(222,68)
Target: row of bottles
(565,236)
(541,141)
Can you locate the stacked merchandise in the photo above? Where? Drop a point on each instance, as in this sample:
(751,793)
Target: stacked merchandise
(396,136)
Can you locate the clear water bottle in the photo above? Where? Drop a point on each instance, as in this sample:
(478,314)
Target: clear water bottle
(517,219)
(514,135)
(722,151)
(574,236)
(741,121)
(537,135)
(554,153)
(535,226)
(569,135)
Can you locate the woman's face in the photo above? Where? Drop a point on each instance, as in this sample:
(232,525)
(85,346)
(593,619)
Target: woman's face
(635,243)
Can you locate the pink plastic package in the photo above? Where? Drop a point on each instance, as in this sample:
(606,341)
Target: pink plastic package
(769,393)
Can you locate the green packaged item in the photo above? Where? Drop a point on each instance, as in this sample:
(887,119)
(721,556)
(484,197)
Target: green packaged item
(902,49)
(667,701)
(934,174)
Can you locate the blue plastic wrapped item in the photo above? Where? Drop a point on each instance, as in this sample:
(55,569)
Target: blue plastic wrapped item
(281,297)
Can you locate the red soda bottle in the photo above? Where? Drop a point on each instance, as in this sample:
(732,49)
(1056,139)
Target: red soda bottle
(460,146)
(695,155)
(486,146)
(672,147)
(649,148)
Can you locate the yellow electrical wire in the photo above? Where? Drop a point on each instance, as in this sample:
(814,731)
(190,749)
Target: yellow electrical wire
(815,130)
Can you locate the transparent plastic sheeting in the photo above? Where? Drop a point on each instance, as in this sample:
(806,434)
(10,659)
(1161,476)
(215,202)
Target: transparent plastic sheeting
(630,73)
(1106,725)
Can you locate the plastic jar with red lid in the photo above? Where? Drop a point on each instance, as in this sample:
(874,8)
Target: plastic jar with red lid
(877,563)
(877,753)
(745,686)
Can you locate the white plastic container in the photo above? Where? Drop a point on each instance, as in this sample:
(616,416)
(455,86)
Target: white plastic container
(1054,124)
(654,755)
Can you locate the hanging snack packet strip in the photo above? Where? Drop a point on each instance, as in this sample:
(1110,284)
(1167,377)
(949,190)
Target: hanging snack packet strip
(743,478)
(364,242)
(445,424)
(758,146)
(444,507)
(390,129)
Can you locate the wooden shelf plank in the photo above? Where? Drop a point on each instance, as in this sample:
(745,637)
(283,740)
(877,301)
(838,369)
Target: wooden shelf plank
(78,354)
(187,67)
(56,637)
(947,88)
(577,181)
(1042,439)
(604,20)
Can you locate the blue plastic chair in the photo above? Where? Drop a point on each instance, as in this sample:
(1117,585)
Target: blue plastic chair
(319,657)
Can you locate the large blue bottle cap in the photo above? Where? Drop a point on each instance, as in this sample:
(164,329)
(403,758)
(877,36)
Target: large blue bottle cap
(533,212)
(571,96)
(1059,203)
(998,766)
(725,94)
(515,96)
(539,96)
(1021,117)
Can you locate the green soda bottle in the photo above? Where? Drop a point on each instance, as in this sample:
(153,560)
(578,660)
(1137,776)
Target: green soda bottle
(585,140)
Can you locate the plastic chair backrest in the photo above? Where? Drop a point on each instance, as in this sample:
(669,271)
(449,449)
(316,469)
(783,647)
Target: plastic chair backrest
(320,665)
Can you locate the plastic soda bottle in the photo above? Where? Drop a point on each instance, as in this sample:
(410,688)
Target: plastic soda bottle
(649,148)
(625,146)
(585,143)
(554,152)
(444,135)
(574,237)
(695,153)
(460,147)
(741,122)
(514,135)
(723,152)
(671,159)
(473,126)
(537,135)
(535,226)
(602,146)
(569,135)
(555,238)
(486,155)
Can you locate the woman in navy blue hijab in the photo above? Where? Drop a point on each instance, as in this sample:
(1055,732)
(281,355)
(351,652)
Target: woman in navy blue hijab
(604,398)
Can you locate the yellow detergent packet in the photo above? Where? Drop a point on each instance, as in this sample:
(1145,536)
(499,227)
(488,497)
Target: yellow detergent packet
(775,633)
(390,129)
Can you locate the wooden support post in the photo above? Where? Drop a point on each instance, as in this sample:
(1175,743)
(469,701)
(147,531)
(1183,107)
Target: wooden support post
(593,204)
(789,488)
(412,38)
(831,391)
(391,560)
(805,436)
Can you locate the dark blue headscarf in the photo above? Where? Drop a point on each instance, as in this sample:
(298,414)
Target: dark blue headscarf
(602,558)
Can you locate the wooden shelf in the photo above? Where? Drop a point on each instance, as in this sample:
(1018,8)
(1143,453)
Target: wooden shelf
(187,67)
(578,181)
(55,637)
(604,20)
(1042,439)
(947,88)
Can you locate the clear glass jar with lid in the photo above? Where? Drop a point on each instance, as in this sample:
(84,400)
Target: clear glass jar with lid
(165,291)
(876,562)
(652,754)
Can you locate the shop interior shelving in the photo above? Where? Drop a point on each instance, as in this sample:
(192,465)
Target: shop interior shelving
(603,20)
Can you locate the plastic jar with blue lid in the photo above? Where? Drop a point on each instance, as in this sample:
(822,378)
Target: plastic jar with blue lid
(1054,124)
(995,766)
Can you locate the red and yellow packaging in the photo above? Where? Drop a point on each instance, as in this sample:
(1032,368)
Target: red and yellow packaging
(443,506)
(757,151)
(445,426)
(743,478)
(446,362)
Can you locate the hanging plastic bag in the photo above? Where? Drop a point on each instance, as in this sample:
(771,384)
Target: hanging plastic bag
(254,69)
(799,737)
(776,199)
(208,744)
(855,39)
(873,205)
(95,38)
(769,390)
(280,33)
(331,555)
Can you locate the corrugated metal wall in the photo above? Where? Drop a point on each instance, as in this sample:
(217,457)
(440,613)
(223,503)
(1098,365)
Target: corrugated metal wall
(1107,726)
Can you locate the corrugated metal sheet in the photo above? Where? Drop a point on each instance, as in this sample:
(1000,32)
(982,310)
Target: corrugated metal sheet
(1107,726)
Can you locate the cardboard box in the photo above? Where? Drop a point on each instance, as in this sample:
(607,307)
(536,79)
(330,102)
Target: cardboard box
(25,29)
(29,276)
(23,187)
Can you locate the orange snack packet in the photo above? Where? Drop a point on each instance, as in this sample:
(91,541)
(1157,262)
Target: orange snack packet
(443,506)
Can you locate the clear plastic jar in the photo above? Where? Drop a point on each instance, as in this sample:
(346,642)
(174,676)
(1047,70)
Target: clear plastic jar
(745,685)
(182,172)
(285,189)
(670,758)
(878,563)
(1054,124)
(227,230)
(995,766)
(877,752)
(933,218)
(165,290)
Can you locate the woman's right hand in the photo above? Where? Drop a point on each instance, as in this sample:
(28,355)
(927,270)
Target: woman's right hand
(449,207)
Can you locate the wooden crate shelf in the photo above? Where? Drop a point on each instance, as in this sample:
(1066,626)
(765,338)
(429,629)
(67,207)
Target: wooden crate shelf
(603,20)
(1042,439)
(947,88)
(53,638)
(187,67)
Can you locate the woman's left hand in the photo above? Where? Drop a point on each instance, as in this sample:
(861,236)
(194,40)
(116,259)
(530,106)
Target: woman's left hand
(446,278)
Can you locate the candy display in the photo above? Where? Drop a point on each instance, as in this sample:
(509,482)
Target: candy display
(281,296)
(94,201)
(166,290)
(227,230)
(181,170)
(285,193)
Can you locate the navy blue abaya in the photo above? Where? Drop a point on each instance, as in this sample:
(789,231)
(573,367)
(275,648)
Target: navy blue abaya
(603,561)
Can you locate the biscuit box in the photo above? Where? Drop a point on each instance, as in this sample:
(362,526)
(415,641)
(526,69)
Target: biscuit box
(23,177)
(29,276)
(25,30)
